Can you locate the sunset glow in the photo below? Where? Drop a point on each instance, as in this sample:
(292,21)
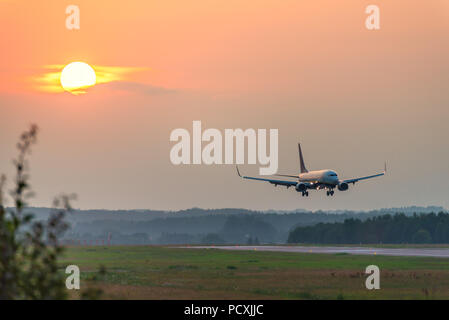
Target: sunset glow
(76,77)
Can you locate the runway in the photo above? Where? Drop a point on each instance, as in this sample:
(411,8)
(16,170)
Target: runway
(399,252)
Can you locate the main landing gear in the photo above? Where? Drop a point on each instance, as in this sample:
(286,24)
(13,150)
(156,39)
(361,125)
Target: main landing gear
(305,193)
(330,192)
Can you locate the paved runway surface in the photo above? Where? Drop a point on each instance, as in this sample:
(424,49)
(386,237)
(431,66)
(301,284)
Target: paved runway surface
(418,252)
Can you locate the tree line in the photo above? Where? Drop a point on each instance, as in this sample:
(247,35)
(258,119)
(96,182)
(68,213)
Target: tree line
(398,228)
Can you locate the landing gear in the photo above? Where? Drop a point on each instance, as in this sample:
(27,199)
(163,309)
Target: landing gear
(330,192)
(305,193)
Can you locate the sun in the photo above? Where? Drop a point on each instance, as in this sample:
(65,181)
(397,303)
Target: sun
(77,76)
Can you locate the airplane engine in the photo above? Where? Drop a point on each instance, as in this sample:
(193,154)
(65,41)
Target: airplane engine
(301,187)
(343,186)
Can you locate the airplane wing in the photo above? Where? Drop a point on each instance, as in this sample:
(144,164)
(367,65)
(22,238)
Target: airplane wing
(286,183)
(287,175)
(353,181)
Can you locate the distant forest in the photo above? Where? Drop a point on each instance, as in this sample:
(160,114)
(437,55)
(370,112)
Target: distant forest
(229,226)
(398,228)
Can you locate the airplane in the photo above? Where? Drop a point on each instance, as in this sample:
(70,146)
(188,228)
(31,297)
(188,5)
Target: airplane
(314,180)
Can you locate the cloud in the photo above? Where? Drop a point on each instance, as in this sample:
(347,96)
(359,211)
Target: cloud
(107,74)
(132,87)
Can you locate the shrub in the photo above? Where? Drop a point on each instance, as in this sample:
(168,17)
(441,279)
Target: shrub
(29,249)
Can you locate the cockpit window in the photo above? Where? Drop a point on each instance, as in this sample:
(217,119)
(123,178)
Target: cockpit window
(333,174)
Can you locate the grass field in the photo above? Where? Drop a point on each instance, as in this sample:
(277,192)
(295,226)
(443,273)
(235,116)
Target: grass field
(151,272)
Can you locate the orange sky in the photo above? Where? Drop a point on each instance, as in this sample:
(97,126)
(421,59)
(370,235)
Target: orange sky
(309,68)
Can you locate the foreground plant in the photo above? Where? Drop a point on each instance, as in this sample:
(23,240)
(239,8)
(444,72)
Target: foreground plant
(29,250)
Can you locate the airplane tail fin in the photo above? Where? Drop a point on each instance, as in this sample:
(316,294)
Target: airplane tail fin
(301,160)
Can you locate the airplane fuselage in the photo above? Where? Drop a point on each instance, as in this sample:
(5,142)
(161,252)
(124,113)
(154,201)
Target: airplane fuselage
(324,177)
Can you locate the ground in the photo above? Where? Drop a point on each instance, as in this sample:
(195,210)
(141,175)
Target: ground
(158,272)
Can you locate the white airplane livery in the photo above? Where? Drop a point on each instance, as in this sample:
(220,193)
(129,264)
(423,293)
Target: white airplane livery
(314,180)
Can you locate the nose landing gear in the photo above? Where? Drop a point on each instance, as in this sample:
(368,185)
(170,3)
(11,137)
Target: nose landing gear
(330,192)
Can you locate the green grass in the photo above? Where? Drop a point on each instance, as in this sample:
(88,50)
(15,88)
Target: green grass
(147,272)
